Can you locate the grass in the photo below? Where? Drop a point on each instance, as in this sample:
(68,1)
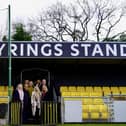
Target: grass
(93,125)
(118,124)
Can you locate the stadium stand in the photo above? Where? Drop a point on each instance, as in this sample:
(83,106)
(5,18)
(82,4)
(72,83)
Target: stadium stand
(4,103)
(122,90)
(4,91)
(94,106)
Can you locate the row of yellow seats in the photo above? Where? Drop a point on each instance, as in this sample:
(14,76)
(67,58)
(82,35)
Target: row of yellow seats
(92,101)
(95,108)
(105,91)
(4,100)
(95,115)
(79,94)
(91,94)
(114,90)
(89,88)
(5,88)
(4,93)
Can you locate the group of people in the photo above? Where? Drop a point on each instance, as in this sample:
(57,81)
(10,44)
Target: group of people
(30,95)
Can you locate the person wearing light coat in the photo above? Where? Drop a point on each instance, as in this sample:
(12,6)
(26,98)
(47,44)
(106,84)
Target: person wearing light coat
(35,100)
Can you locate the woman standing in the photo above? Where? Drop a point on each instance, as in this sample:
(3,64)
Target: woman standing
(18,94)
(35,101)
(22,96)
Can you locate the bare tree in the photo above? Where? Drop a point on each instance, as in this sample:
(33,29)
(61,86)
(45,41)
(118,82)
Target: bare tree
(84,21)
(50,25)
(62,23)
(106,17)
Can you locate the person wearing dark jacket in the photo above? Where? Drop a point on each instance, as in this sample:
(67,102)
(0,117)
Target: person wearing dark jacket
(26,104)
(18,94)
(22,96)
(44,93)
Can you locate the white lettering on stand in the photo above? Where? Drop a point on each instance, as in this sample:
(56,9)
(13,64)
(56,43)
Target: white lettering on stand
(112,50)
(48,52)
(97,50)
(86,48)
(1,48)
(33,50)
(75,51)
(122,48)
(59,51)
(13,49)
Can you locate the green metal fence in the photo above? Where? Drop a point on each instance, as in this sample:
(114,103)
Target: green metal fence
(50,113)
(15,113)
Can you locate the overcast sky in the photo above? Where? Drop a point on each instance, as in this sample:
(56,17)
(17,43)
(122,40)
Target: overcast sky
(24,9)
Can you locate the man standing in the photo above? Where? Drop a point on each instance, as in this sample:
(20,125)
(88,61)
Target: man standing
(26,104)
(30,87)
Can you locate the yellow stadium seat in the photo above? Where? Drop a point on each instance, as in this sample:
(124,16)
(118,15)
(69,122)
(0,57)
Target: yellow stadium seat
(63,89)
(87,101)
(75,94)
(1,93)
(98,101)
(80,89)
(6,88)
(106,88)
(122,88)
(93,108)
(103,108)
(104,115)
(65,94)
(3,100)
(115,90)
(96,94)
(85,108)
(72,93)
(72,99)
(95,115)
(72,88)
(85,115)
(89,88)
(78,94)
(99,89)
(123,92)
(85,94)
(5,93)
(107,92)
(2,88)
